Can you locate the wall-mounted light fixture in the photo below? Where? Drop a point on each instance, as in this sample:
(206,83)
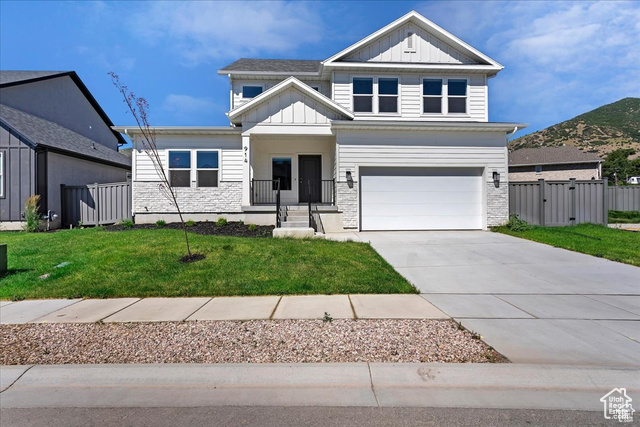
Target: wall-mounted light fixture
(496,178)
(349,179)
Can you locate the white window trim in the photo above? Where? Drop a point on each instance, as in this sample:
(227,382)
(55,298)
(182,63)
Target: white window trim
(2,174)
(260,85)
(375,104)
(194,165)
(169,168)
(445,96)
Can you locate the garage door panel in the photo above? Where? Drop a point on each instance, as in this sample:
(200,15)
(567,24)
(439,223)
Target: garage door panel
(421,198)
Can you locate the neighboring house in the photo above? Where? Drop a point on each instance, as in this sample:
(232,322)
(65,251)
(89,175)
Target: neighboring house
(392,133)
(553,163)
(52,132)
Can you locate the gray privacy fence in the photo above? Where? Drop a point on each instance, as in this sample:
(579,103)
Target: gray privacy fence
(95,204)
(555,203)
(625,198)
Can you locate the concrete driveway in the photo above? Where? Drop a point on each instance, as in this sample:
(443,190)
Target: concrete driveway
(531,302)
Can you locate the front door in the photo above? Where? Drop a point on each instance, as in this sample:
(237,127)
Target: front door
(309,179)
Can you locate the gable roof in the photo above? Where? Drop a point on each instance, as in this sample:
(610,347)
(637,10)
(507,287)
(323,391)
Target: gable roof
(551,155)
(282,86)
(10,78)
(284,66)
(420,20)
(40,132)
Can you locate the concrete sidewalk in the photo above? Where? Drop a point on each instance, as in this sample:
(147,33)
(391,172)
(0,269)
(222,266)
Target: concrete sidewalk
(393,306)
(349,384)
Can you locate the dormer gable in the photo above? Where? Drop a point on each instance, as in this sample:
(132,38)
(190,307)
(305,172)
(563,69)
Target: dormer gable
(413,41)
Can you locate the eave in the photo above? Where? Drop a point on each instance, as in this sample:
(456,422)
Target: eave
(427,126)
(180,130)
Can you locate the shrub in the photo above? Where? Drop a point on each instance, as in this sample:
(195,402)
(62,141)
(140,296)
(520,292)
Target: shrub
(190,223)
(517,224)
(32,214)
(126,223)
(252,227)
(161,223)
(222,221)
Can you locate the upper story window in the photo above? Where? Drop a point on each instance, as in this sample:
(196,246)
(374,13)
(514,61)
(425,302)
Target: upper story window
(251,91)
(316,88)
(363,94)
(457,95)
(207,167)
(444,96)
(387,95)
(180,168)
(432,96)
(538,169)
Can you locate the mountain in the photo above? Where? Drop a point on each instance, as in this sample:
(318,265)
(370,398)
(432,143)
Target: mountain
(602,130)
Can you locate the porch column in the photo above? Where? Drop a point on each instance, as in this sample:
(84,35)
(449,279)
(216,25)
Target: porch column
(246,169)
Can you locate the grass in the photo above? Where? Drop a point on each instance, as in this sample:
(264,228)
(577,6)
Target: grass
(597,240)
(621,217)
(143,263)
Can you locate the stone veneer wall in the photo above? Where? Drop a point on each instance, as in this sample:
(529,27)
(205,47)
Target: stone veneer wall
(497,203)
(225,198)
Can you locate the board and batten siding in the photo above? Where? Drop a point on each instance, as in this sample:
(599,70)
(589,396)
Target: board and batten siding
(230,147)
(428,48)
(410,102)
(420,149)
(290,107)
(18,175)
(238,100)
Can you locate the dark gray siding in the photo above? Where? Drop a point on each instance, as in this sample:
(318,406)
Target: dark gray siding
(59,100)
(19,175)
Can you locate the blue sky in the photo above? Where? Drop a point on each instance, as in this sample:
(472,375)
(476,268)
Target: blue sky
(561,58)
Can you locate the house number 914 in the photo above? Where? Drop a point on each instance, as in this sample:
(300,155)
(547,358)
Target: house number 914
(246,154)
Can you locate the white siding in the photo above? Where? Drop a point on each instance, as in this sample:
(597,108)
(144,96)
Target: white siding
(411,96)
(420,149)
(229,145)
(290,107)
(238,100)
(428,49)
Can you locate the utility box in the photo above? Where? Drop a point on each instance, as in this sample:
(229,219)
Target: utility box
(3,259)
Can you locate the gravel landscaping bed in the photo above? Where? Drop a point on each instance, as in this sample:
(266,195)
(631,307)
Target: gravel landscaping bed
(256,341)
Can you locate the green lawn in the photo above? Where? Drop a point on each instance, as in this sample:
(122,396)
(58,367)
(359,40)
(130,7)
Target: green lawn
(597,240)
(141,263)
(622,217)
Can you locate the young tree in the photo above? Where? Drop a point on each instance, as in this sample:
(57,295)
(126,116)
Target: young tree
(139,109)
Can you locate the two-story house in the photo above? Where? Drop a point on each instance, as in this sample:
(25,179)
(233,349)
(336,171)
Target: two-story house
(392,133)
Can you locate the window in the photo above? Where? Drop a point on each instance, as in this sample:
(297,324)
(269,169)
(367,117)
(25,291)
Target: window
(1,174)
(316,88)
(363,94)
(457,96)
(387,95)
(281,171)
(432,96)
(251,91)
(207,168)
(538,169)
(180,168)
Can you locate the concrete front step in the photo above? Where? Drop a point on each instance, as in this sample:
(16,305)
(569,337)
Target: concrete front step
(295,224)
(297,232)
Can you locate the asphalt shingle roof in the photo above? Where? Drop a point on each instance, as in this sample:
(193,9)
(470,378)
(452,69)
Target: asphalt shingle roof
(274,65)
(13,76)
(43,132)
(551,155)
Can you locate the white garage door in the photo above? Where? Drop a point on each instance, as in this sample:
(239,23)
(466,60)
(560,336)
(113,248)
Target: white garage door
(421,198)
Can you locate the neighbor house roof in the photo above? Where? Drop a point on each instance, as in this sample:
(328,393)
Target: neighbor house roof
(40,132)
(551,155)
(10,78)
(284,66)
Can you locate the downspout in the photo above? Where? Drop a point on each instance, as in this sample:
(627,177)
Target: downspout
(515,129)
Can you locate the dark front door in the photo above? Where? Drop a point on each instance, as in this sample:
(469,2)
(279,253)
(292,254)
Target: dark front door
(309,179)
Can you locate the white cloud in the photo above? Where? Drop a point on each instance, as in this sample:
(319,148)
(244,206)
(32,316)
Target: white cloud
(200,31)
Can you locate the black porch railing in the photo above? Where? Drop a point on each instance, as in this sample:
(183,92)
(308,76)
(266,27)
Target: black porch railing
(316,191)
